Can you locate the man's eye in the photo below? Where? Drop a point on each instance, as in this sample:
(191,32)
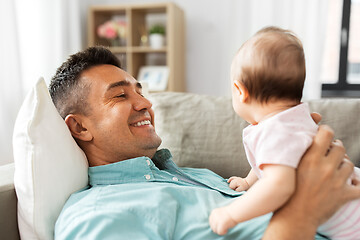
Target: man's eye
(120,96)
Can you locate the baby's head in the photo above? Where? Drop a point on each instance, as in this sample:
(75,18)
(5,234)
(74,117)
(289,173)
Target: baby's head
(271,65)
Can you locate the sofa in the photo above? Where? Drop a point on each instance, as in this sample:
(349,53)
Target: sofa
(203,132)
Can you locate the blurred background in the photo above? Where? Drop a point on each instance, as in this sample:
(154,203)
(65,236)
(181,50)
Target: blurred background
(202,37)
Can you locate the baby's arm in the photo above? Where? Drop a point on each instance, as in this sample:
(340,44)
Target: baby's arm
(266,195)
(242,184)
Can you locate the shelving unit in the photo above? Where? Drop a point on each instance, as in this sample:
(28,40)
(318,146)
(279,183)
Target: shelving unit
(132,54)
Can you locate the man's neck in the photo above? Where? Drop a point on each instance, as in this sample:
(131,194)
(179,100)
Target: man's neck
(97,157)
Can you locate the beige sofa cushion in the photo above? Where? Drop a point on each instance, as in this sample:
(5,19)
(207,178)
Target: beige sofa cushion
(204,131)
(343,116)
(201,131)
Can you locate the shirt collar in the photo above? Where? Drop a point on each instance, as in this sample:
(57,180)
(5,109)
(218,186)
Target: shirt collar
(302,107)
(131,170)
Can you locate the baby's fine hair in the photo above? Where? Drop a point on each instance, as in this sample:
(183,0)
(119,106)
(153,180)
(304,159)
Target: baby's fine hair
(271,65)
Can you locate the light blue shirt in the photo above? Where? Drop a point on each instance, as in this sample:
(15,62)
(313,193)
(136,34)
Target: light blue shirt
(142,198)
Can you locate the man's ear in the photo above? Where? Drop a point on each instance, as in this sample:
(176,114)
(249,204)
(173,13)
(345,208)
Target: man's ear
(242,91)
(77,128)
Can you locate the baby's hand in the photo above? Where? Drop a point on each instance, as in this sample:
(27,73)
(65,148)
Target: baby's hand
(220,221)
(238,184)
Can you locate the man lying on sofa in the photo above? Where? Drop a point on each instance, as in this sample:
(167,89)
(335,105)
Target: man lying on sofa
(137,192)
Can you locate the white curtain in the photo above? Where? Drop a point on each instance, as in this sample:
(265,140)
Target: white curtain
(37,36)
(48,32)
(307,18)
(10,78)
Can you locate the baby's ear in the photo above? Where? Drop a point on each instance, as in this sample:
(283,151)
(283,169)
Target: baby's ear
(77,127)
(242,91)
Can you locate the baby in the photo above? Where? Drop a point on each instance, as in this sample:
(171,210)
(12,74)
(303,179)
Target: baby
(268,74)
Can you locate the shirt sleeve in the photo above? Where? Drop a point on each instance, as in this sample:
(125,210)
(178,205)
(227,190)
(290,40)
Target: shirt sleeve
(280,145)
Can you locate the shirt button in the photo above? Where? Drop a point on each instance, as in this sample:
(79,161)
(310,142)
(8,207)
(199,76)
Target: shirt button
(147,177)
(148,162)
(175,179)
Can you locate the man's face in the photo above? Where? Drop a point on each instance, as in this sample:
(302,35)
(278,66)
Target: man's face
(121,120)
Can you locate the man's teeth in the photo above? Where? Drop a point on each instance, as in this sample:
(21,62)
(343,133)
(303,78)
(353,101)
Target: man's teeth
(142,123)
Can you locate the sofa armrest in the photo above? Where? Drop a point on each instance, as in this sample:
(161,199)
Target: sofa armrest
(8,204)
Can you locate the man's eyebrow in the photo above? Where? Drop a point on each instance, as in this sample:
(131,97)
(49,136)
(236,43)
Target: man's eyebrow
(121,84)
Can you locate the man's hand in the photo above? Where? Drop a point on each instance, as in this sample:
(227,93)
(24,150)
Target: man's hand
(221,221)
(322,176)
(316,117)
(238,184)
(321,189)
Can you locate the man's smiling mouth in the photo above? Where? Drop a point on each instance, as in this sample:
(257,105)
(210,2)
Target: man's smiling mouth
(142,123)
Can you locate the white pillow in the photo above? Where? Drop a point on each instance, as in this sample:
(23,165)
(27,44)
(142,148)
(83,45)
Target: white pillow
(49,165)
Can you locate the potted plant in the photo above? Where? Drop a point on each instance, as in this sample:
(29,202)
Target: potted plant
(157,36)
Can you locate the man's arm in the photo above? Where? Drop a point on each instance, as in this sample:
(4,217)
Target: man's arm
(321,189)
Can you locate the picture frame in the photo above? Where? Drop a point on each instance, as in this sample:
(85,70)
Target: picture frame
(156,77)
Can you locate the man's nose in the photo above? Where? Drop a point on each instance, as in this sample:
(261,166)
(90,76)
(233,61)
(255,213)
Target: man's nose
(141,103)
